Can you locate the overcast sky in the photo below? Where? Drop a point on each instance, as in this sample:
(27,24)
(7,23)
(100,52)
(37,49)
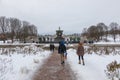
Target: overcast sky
(70,15)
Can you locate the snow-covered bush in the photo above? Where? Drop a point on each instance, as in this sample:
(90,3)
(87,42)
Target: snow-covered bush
(24,70)
(103,50)
(36,60)
(113,71)
(5,67)
(32,49)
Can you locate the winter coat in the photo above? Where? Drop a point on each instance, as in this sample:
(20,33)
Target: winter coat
(50,46)
(80,50)
(61,48)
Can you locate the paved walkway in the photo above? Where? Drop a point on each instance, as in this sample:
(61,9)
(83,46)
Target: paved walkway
(53,70)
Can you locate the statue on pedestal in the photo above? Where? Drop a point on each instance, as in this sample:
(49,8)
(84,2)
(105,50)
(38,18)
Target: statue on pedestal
(59,35)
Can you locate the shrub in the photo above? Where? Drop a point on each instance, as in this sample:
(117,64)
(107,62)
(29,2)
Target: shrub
(112,71)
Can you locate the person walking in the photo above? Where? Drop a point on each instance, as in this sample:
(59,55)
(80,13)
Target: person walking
(50,47)
(53,47)
(61,51)
(80,53)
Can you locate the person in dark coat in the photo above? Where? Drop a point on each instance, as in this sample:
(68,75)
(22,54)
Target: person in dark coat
(53,47)
(50,47)
(61,51)
(80,53)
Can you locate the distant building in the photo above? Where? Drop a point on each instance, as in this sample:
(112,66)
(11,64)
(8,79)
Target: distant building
(73,38)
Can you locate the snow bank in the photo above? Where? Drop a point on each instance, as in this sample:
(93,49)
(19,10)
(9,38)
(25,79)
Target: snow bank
(94,65)
(21,66)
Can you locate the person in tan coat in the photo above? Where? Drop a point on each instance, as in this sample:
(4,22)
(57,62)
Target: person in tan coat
(80,53)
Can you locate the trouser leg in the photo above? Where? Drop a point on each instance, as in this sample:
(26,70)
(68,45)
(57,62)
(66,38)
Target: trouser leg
(79,60)
(83,60)
(62,58)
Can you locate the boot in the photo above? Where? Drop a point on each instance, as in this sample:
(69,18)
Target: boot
(63,62)
(79,62)
(83,62)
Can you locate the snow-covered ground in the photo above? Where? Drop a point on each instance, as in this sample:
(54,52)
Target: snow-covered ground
(95,65)
(20,63)
(21,66)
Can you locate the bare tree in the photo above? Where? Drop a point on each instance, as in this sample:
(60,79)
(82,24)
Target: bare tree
(114,30)
(15,25)
(24,30)
(15,29)
(106,31)
(84,32)
(32,30)
(27,30)
(93,33)
(3,28)
(100,30)
(103,30)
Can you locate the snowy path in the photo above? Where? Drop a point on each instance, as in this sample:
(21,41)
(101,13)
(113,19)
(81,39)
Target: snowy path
(53,70)
(94,65)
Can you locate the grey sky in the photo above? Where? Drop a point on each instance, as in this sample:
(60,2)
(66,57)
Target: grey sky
(71,15)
